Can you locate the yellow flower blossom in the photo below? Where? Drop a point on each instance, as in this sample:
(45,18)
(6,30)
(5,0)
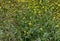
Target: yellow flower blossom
(43,7)
(52,7)
(34,11)
(58,4)
(12,4)
(28,7)
(24,31)
(9,1)
(41,28)
(54,18)
(57,26)
(58,13)
(30,23)
(28,33)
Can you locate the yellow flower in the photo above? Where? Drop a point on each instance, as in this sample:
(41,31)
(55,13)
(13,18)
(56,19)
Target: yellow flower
(28,7)
(43,7)
(57,26)
(54,18)
(58,4)
(9,1)
(52,8)
(24,31)
(41,28)
(35,11)
(30,23)
(58,13)
(12,4)
(28,33)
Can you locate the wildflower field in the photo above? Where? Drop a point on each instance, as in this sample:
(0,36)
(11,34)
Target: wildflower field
(29,20)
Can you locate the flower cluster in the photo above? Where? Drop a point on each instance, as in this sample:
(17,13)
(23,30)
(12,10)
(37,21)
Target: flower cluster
(29,20)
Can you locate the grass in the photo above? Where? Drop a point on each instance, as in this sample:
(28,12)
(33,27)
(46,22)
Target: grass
(29,20)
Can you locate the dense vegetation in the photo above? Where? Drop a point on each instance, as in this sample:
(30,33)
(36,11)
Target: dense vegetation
(29,20)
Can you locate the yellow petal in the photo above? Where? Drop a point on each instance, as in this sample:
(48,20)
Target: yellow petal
(57,26)
(30,23)
(9,1)
(58,4)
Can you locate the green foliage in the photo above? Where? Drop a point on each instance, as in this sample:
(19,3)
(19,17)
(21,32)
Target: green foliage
(29,20)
